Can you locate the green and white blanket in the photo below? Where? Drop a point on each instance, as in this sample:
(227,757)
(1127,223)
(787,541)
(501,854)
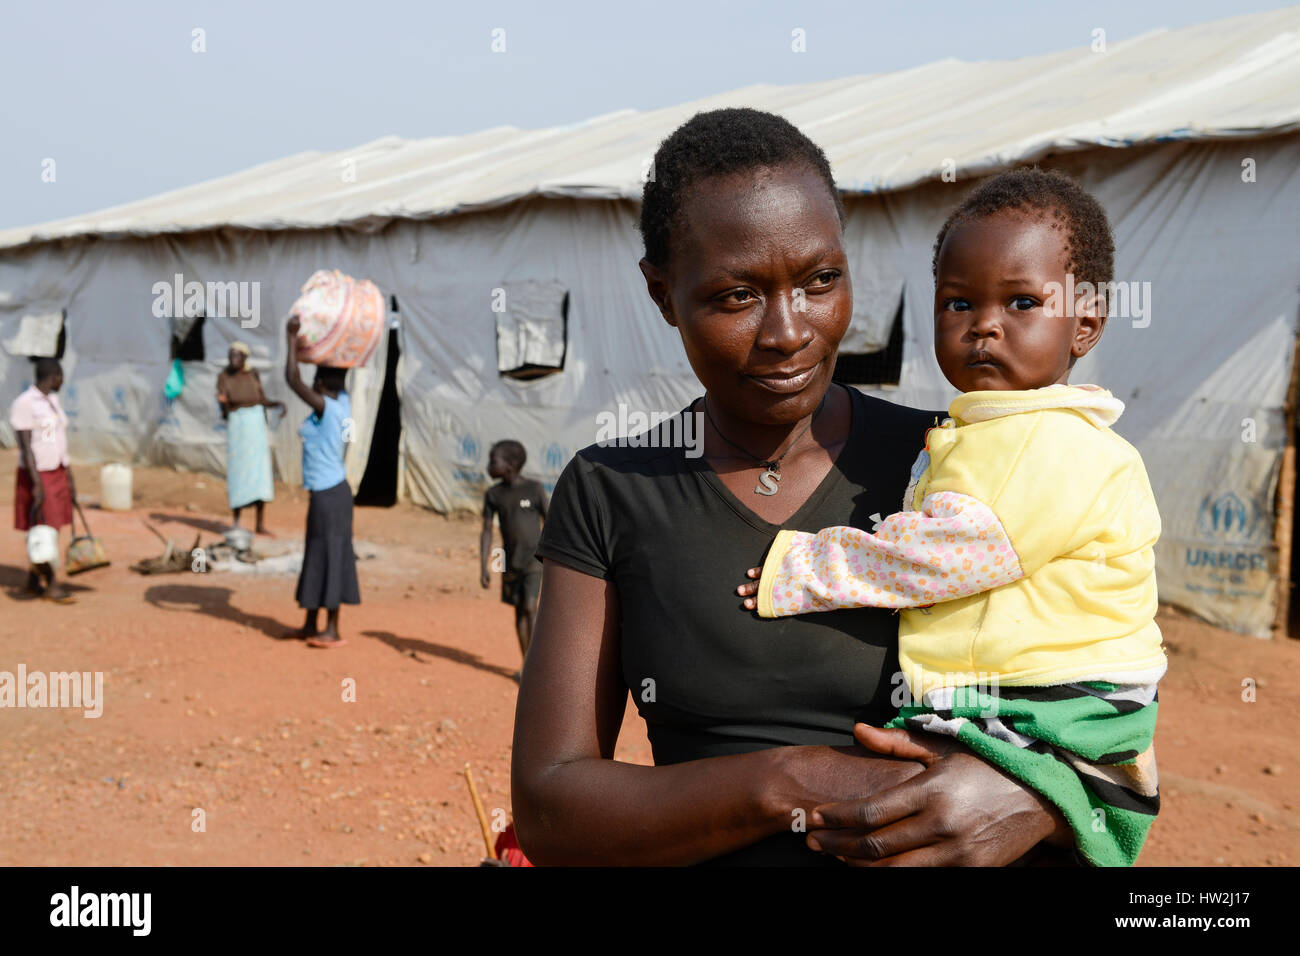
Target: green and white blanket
(1086,747)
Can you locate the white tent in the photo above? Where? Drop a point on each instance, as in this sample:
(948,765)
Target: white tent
(513,248)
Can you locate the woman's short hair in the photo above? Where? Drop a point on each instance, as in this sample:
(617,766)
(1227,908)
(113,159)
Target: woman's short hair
(717,143)
(331,378)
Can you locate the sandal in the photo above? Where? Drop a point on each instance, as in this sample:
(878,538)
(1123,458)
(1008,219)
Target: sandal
(319,642)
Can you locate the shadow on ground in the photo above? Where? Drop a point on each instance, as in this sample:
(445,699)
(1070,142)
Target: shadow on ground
(414,647)
(215,602)
(13,581)
(202,524)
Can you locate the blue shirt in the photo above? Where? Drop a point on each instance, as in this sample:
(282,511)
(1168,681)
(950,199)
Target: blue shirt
(323,444)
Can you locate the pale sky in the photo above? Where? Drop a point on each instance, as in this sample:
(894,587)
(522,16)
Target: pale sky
(117,97)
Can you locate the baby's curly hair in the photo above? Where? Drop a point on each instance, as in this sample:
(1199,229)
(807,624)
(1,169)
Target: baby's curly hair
(716,143)
(1089,245)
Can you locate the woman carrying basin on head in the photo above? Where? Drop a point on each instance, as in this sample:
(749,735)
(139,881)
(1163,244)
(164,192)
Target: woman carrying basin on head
(329,565)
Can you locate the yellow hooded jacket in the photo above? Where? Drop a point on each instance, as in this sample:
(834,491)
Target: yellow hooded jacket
(1024,554)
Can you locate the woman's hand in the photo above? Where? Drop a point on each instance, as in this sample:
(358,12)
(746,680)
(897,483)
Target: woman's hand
(806,778)
(291,329)
(959,812)
(747,591)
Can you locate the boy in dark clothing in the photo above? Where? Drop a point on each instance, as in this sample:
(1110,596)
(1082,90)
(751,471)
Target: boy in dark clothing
(521,504)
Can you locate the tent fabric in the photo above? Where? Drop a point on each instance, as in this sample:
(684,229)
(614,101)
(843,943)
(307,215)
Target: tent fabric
(1232,78)
(1206,217)
(1204,373)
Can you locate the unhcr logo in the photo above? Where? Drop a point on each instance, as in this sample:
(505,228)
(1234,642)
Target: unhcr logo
(468,470)
(1233,520)
(219,300)
(1228,516)
(118,413)
(556,457)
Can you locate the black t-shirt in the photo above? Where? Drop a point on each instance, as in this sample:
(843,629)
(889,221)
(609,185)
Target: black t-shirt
(520,508)
(676,542)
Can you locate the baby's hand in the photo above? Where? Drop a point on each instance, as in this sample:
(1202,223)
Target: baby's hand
(747,591)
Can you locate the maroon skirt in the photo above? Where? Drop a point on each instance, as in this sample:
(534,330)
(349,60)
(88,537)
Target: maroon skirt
(57,510)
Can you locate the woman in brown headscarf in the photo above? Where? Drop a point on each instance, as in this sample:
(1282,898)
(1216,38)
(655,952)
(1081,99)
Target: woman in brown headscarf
(248,453)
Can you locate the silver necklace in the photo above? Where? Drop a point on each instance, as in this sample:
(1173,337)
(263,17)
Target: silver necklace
(767,481)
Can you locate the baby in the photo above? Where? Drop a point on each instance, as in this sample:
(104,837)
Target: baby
(1023,556)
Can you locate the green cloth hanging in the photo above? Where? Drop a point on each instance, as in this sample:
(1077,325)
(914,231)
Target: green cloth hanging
(175,383)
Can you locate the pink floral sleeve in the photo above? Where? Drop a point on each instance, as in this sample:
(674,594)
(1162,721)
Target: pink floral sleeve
(953,547)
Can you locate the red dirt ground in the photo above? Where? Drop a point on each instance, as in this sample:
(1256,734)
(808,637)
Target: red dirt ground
(207,707)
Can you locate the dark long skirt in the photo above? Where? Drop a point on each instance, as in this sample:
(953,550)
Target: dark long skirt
(329,565)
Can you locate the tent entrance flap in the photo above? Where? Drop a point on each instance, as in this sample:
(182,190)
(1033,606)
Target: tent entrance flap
(187,339)
(379,482)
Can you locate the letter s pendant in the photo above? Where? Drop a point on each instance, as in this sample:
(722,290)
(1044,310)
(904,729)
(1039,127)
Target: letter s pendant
(767,483)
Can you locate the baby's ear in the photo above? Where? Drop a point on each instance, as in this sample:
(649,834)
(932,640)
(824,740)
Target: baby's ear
(1090,308)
